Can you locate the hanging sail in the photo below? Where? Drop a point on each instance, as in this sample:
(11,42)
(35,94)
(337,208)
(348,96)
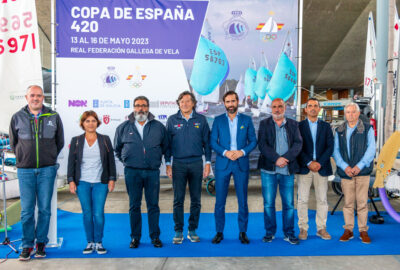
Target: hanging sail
(370,60)
(284,79)
(263,78)
(250,81)
(210,67)
(240,89)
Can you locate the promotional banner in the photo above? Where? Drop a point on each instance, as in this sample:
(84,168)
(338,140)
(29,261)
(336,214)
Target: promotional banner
(109,52)
(20,64)
(131,51)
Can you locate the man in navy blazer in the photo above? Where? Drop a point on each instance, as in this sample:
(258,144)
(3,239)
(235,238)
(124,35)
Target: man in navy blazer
(315,167)
(232,138)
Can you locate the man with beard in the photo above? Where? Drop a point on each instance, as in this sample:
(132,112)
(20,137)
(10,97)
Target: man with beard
(280,142)
(139,144)
(315,167)
(232,138)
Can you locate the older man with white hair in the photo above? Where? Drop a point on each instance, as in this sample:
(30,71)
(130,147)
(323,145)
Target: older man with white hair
(36,137)
(354,153)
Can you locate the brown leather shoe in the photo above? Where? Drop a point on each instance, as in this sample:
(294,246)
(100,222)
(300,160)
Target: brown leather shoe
(324,234)
(303,234)
(365,238)
(347,235)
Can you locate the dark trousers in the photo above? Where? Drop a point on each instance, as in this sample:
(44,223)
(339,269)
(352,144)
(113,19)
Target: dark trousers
(183,173)
(222,179)
(136,180)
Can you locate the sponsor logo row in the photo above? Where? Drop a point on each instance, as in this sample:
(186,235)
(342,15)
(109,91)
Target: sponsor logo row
(108,103)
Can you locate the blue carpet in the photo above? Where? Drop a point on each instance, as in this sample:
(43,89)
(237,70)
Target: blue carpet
(385,239)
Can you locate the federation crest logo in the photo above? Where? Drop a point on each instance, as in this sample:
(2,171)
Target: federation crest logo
(137,79)
(111,78)
(236,28)
(269,29)
(106,119)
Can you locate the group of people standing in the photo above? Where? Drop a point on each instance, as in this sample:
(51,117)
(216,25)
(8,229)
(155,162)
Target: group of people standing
(287,147)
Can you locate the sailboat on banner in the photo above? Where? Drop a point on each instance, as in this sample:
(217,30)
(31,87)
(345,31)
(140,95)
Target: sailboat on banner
(240,90)
(284,79)
(264,76)
(249,83)
(370,62)
(210,69)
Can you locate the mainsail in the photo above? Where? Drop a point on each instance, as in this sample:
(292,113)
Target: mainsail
(250,81)
(263,78)
(284,79)
(370,60)
(240,89)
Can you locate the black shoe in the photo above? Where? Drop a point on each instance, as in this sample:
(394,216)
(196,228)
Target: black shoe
(291,239)
(156,242)
(218,238)
(243,238)
(268,238)
(26,254)
(134,243)
(40,253)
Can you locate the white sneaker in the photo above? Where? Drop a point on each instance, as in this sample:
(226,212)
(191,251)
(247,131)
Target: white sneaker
(100,249)
(89,248)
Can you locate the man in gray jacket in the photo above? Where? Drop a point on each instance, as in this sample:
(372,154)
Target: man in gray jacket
(36,137)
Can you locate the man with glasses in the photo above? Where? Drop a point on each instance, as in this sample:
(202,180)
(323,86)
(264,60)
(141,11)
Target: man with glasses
(280,142)
(139,144)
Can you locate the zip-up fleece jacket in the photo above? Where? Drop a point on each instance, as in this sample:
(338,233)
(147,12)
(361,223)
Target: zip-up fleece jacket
(136,153)
(189,139)
(36,146)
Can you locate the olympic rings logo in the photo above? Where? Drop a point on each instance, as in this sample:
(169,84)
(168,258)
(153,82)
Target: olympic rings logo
(137,84)
(269,37)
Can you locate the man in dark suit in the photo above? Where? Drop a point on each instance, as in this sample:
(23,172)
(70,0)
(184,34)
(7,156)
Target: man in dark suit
(315,167)
(232,138)
(280,142)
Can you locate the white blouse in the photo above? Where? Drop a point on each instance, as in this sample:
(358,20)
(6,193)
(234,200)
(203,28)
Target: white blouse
(91,167)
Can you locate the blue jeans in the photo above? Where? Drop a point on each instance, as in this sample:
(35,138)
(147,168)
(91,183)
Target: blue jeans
(36,185)
(241,180)
(269,183)
(183,173)
(136,180)
(93,198)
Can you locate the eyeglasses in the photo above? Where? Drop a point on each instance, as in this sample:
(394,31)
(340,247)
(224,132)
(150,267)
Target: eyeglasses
(141,106)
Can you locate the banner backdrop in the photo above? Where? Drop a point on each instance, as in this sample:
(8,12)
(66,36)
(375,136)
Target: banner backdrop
(109,52)
(20,64)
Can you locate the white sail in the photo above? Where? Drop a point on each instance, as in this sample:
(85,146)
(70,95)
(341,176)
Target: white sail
(240,89)
(213,97)
(370,60)
(270,27)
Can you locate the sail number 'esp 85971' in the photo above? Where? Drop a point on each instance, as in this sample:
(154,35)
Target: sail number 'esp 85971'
(17,43)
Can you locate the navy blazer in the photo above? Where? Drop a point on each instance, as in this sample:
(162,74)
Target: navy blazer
(267,145)
(324,145)
(221,140)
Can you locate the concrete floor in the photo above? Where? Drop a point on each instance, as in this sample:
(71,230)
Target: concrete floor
(117,202)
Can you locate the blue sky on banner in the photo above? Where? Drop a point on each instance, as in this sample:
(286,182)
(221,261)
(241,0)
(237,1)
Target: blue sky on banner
(251,14)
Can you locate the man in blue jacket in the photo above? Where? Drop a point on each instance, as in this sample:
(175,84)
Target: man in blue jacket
(139,144)
(189,135)
(280,142)
(232,138)
(354,153)
(315,167)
